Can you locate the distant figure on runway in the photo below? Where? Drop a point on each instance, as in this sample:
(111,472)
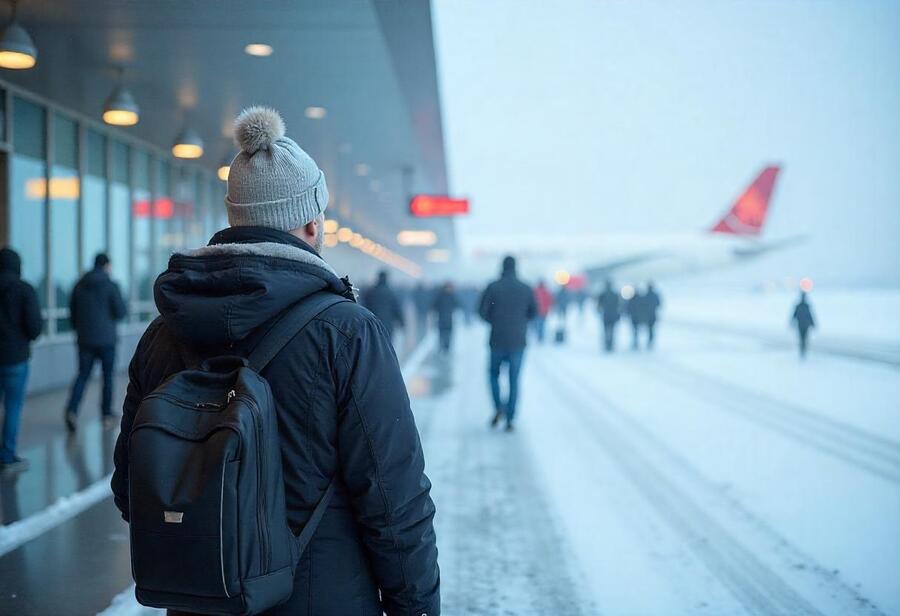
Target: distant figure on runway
(508,305)
(650,307)
(381,300)
(803,318)
(634,308)
(20,323)
(609,307)
(95,308)
(544,300)
(444,305)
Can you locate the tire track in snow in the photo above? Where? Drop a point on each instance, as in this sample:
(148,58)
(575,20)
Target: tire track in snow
(869,452)
(753,584)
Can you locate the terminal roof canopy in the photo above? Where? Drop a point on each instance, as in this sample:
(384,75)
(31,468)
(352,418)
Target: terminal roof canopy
(369,64)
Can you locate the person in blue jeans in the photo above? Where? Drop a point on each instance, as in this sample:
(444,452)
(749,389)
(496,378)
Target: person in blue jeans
(95,307)
(507,304)
(20,323)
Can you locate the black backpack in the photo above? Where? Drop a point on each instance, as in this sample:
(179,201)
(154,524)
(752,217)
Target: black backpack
(209,530)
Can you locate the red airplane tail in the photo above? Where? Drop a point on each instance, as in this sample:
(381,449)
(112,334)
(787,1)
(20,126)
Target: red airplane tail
(748,214)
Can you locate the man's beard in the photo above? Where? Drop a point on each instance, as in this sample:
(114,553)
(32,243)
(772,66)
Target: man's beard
(320,236)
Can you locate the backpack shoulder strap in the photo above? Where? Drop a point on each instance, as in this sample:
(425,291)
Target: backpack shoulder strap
(289,325)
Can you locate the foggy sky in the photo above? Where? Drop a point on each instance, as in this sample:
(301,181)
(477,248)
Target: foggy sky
(629,117)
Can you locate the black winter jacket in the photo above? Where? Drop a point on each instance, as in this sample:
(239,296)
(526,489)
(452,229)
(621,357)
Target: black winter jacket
(444,305)
(96,305)
(508,305)
(343,412)
(20,313)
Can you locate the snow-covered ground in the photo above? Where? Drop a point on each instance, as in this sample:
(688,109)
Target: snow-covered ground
(717,475)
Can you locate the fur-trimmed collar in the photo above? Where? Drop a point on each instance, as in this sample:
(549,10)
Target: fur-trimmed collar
(265,249)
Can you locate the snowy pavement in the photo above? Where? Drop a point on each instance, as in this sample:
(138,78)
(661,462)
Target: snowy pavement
(694,480)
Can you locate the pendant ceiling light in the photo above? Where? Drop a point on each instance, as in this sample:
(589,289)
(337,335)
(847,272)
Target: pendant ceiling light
(188,145)
(17,50)
(120,108)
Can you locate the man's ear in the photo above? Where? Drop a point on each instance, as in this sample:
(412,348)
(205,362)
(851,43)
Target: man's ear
(311,227)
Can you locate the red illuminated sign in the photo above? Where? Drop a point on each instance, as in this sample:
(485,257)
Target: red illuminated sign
(433,205)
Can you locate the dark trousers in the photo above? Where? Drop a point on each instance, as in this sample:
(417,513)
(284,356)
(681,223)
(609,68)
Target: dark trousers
(804,338)
(651,325)
(609,335)
(12,389)
(87,355)
(445,336)
(513,362)
(635,334)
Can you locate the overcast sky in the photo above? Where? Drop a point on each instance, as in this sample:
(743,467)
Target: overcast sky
(586,115)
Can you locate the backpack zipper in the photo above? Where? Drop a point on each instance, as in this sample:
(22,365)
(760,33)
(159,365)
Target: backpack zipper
(261,522)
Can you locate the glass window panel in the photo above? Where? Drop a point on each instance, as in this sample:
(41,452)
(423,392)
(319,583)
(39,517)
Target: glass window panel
(27,191)
(65,141)
(65,190)
(163,215)
(119,162)
(93,203)
(29,129)
(96,154)
(120,235)
(141,208)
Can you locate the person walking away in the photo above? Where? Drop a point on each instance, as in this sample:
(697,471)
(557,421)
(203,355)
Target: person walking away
(650,307)
(444,305)
(609,306)
(381,300)
(20,323)
(508,305)
(95,307)
(802,317)
(544,300)
(343,413)
(634,308)
(422,299)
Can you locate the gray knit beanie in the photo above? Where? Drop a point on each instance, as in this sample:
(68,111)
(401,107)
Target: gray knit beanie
(272,182)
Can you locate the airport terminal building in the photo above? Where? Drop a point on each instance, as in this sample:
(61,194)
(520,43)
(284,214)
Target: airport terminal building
(355,81)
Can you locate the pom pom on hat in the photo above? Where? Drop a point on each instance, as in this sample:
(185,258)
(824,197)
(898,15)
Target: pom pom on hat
(257,128)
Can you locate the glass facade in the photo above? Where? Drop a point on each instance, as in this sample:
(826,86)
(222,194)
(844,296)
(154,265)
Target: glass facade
(93,200)
(73,181)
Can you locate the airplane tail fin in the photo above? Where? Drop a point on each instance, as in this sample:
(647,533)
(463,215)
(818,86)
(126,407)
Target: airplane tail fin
(748,214)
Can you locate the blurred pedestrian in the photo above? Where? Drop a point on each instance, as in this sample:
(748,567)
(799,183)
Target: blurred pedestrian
(650,307)
(95,307)
(544,300)
(508,305)
(20,323)
(634,308)
(422,300)
(802,317)
(609,307)
(444,305)
(381,301)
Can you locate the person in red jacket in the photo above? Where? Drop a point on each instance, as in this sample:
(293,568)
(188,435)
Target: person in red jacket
(544,300)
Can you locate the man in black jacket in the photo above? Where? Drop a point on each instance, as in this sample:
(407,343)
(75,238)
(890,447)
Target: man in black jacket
(381,300)
(444,305)
(20,323)
(95,308)
(802,317)
(508,304)
(609,306)
(342,405)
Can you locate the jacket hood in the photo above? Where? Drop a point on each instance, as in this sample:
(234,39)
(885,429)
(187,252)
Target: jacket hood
(10,263)
(217,295)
